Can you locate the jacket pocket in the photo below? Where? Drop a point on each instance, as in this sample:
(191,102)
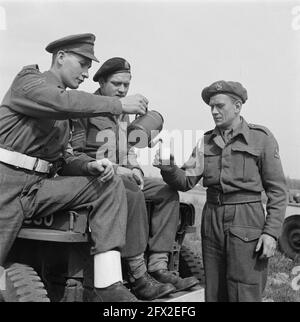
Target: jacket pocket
(246,234)
(78,140)
(244,265)
(246,149)
(103,122)
(245,162)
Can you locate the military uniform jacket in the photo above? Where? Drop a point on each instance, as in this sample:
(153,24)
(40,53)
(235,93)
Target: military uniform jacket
(249,161)
(34,116)
(104,136)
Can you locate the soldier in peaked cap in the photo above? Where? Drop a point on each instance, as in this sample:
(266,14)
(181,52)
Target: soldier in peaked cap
(238,161)
(34,135)
(90,135)
(82,44)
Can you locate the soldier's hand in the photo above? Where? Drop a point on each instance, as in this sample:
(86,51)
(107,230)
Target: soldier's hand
(266,245)
(108,170)
(133,175)
(138,177)
(102,167)
(122,171)
(164,163)
(134,104)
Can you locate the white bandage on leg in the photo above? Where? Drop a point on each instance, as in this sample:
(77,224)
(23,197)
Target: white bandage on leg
(107,269)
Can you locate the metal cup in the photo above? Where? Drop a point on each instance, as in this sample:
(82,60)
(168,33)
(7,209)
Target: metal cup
(144,129)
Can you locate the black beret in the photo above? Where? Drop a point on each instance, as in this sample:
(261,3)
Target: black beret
(112,66)
(224,87)
(82,44)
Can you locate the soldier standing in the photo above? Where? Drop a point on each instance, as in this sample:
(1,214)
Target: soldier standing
(237,161)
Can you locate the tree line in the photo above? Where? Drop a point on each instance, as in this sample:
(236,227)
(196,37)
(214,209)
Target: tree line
(293,183)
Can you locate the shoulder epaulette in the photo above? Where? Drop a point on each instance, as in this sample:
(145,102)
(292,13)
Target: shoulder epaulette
(29,69)
(259,128)
(33,66)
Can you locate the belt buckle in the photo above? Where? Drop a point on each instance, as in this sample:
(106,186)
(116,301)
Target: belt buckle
(49,166)
(35,164)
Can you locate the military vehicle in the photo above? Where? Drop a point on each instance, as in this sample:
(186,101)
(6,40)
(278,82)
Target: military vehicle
(50,260)
(289,241)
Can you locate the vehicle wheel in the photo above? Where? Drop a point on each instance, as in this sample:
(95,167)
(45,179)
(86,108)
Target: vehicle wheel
(190,264)
(289,241)
(23,285)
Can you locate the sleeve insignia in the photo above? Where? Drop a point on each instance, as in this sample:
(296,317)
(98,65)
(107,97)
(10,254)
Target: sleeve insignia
(32,84)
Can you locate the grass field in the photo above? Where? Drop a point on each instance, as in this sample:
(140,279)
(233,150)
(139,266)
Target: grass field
(283,283)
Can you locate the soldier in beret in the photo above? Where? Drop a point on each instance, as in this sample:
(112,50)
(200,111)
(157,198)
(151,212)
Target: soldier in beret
(90,136)
(34,135)
(238,161)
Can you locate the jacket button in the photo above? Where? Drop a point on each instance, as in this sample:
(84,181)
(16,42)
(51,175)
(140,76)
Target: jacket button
(246,239)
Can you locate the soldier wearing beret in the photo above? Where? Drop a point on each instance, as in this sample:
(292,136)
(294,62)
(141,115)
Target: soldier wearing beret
(34,135)
(90,136)
(238,161)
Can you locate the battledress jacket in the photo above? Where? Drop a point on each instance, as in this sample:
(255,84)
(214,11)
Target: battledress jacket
(104,136)
(35,113)
(249,161)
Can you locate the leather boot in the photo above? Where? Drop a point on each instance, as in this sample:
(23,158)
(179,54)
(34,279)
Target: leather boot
(147,288)
(165,276)
(116,292)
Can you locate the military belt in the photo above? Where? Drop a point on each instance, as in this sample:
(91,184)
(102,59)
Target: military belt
(23,161)
(219,198)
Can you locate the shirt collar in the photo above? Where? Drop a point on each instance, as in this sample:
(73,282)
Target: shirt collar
(242,130)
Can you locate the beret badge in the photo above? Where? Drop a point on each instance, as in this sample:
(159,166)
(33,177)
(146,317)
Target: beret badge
(126,65)
(219,87)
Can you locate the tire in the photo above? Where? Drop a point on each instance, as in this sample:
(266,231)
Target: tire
(190,264)
(23,285)
(289,241)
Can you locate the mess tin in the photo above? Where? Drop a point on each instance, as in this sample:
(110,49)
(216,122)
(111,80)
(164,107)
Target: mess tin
(144,129)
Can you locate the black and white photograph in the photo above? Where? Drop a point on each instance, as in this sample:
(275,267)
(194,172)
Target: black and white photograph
(149,153)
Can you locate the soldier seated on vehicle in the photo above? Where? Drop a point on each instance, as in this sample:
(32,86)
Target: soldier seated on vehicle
(156,233)
(34,134)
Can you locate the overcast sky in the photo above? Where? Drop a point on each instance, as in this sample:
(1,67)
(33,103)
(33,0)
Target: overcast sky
(176,48)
